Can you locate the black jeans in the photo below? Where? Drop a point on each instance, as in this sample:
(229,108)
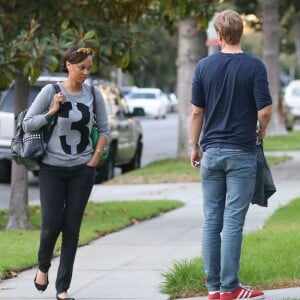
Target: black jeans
(64,193)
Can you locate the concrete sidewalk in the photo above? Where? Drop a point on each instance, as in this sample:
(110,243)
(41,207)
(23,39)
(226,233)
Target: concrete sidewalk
(129,264)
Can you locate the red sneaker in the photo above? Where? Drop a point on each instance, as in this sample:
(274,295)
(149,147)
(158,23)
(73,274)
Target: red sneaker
(214,296)
(242,292)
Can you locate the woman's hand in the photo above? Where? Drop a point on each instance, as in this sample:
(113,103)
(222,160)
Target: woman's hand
(58,99)
(93,163)
(96,158)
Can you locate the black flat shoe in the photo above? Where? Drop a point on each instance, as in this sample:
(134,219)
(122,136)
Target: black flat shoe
(41,287)
(58,298)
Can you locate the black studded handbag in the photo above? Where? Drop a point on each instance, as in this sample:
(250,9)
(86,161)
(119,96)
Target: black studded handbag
(28,148)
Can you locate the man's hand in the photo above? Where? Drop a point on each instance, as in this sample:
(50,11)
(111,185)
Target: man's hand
(196,155)
(264,116)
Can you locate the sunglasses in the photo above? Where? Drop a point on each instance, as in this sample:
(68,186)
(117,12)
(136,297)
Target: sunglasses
(88,51)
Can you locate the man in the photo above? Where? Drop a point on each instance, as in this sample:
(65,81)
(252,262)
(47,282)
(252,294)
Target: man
(229,96)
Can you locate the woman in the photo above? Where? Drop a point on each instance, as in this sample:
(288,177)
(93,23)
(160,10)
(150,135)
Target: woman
(67,171)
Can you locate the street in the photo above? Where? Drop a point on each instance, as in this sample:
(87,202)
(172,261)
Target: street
(160,138)
(160,141)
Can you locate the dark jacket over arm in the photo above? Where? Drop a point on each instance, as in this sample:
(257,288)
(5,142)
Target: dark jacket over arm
(264,186)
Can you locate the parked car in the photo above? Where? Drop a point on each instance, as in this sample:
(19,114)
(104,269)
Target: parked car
(288,117)
(173,102)
(292,98)
(126,90)
(126,137)
(148,102)
(166,102)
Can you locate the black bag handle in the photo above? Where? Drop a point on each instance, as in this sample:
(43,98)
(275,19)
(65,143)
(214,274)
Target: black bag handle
(94,99)
(50,127)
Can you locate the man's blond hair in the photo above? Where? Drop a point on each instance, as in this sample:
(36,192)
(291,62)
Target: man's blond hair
(230,25)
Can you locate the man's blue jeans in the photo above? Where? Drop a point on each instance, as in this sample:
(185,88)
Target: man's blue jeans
(228,180)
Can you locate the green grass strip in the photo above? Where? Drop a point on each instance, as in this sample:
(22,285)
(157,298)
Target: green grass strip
(19,248)
(270,258)
(288,142)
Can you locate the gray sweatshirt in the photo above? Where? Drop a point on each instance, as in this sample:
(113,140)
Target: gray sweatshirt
(70,143)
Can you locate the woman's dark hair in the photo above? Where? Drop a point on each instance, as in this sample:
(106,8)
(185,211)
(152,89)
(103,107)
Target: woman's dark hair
(75,55)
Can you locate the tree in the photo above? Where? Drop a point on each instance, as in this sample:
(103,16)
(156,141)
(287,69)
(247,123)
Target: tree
(290,22)
(270,56)
(32,38)
(158,69)
(191,47)
(23,53)
(189,18)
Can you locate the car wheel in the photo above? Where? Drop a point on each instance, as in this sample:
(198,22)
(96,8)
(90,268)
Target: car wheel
(106,171)
(289,122)
(35,173)
(289,128)
(135,163)
(5,171)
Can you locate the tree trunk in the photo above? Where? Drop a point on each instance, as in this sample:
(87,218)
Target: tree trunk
(191,47)
(270,58)
(296,29)
(18,215)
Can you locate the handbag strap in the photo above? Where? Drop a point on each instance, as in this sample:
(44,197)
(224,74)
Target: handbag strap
(94,100)
(50,127)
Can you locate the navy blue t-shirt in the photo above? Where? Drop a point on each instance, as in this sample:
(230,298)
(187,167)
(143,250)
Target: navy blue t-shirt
(231,88)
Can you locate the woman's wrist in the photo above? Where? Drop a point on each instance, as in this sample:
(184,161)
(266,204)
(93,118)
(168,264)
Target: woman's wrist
(49,116)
